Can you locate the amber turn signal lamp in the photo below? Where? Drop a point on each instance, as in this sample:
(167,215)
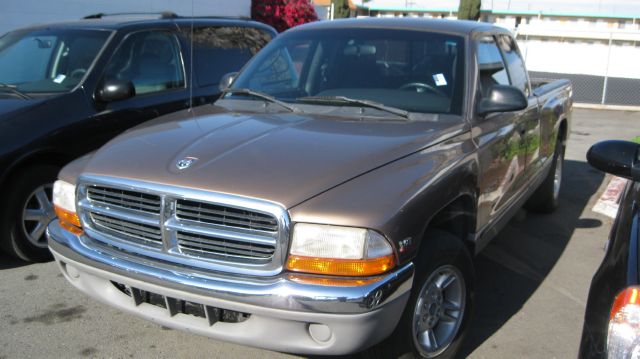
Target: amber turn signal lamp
(69,220)
(342,267)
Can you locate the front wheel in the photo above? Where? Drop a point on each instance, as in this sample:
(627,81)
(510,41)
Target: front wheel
(439,311)
(437,314)
(26,212)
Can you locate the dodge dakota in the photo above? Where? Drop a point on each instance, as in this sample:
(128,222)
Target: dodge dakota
(332,200)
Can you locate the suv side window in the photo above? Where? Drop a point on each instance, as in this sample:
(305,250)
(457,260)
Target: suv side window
(150,60)
(219,50)
(490,65)
(515,64)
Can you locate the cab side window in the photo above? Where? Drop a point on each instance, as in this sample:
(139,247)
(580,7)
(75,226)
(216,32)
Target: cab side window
(150,60)
(515,64)
(491,67)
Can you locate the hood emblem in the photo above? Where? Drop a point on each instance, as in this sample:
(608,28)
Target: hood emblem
(186,162)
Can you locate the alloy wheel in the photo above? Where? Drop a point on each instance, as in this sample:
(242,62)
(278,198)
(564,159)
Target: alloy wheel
(439,311)
(37,212)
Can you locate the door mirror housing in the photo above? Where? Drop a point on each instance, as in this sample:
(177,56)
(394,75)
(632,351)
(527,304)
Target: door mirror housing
(227,80)
(115,90)
(619,158)
(502,98)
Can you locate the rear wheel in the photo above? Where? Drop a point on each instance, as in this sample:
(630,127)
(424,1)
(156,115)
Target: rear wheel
(26,212)
(545,198)
(437,315)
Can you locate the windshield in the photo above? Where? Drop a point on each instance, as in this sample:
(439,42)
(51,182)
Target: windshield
(48,60)
(409,70)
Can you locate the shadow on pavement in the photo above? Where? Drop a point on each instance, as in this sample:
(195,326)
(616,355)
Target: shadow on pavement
(514,264)
(8,262)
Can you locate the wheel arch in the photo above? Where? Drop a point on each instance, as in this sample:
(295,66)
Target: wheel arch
(456,217)
(563,128)
(34,158)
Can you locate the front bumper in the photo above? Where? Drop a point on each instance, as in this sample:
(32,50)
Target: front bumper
(285,314)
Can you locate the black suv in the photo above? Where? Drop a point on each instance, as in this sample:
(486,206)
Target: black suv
(66,89)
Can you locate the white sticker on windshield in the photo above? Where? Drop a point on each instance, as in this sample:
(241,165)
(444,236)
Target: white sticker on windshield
(58,79)
(439,80)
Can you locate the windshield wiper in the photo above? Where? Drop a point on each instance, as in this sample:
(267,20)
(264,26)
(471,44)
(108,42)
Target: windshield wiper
(14,89)
(261,95)
(355,101)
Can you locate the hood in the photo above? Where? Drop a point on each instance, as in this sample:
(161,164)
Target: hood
(285,158)
(11,106)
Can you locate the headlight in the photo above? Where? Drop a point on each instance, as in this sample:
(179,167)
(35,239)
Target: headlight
(64,202)
(334,250)
(623,339)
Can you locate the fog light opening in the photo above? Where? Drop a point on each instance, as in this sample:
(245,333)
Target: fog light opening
(320,333)
(72,271)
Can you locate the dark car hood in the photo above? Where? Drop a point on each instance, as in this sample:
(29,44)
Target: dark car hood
(13,106)
(285,157)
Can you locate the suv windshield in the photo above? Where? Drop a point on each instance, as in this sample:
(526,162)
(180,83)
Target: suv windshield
(409,70)
(48,60)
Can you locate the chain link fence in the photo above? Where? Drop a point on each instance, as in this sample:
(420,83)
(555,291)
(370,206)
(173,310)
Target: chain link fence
(604,67)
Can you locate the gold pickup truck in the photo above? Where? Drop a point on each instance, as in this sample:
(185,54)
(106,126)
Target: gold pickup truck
(332,200)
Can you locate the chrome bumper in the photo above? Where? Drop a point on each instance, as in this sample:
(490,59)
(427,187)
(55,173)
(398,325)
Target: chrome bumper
(278,292)
(285,315)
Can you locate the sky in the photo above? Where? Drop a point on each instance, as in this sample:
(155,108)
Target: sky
(609,7)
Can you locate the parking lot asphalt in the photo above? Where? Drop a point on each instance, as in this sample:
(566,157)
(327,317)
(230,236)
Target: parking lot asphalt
(532,284)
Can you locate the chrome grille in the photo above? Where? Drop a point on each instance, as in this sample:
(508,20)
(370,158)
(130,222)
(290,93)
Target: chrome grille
(209,245)
(225,216)
(136,201)
(131,229)
(189,227)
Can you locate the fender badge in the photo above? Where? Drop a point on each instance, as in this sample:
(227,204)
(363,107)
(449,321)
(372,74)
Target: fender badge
(404,244)
(186,162)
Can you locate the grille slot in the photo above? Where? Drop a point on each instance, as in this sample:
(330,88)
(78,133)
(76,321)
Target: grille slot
(225,216)
(136,201)
(130,229)
(204,245)
(175,306)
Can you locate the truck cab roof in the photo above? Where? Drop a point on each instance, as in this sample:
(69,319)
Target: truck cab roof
(457,27)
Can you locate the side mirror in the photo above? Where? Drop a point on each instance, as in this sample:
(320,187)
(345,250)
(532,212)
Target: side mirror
(620,158)
(502,98)
(114,90)
(227,80)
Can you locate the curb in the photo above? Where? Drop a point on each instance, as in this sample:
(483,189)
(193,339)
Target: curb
(593,106)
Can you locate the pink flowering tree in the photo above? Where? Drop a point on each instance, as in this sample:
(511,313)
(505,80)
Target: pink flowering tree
(283,14)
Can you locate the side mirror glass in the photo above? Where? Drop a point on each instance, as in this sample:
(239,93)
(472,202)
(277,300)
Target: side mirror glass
(115,90)
(620,158)
(502,98)
(227,80)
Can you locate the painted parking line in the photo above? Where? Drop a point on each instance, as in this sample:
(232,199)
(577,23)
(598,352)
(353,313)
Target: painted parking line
(610,200)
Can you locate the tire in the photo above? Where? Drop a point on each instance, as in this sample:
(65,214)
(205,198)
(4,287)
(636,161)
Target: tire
(26,212)
(443,255)
(545,198)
